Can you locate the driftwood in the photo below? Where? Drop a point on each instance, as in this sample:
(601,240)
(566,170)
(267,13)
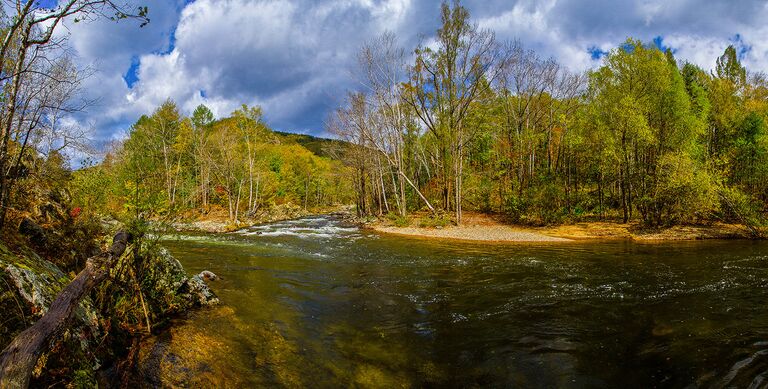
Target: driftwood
(20,357)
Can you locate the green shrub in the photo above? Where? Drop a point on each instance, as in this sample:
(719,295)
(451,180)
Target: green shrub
(684,193)
(398,220)
(438,220)
(547,204)
(514,207)
(740,207)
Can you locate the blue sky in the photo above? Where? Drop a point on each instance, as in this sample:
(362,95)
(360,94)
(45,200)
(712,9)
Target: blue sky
(295,57)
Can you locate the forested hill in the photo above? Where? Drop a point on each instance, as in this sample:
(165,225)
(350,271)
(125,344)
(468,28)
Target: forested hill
(235,165)
(323,147)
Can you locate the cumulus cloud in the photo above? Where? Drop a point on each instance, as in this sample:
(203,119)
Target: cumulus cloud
(294,57)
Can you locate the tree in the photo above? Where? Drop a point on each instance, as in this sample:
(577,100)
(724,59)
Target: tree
(444,82)
(642,103)
(347,123)
(27,43)
(726,94)
(249,122)
(728,67)
(228,165)
(163,129)
(202,118)
(538,97)
(383,66)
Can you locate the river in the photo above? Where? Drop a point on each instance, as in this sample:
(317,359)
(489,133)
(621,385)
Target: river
(324,304)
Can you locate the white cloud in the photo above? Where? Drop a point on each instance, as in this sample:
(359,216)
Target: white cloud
(294,57)
(700,50)
(530,22)
(285,56)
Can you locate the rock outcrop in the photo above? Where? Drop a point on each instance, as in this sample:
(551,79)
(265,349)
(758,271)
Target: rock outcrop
(169,286)
(28,285)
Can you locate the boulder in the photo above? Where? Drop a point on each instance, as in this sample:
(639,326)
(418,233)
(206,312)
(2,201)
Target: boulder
(208,275)
(33,231)
(28,285)
(170,284)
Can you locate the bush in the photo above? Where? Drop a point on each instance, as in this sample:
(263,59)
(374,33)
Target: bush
(546,203)
(479,193)
(437,220)
(514,208)
(398,220)
(740,207)
(685,192)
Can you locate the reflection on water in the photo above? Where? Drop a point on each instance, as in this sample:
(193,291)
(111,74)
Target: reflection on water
(320,303)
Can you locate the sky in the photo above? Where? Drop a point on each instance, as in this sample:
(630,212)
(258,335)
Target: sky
(295,58)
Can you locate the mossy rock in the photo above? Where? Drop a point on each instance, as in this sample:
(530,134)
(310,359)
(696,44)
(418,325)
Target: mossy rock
(169,287)
(28,285)
(187,356)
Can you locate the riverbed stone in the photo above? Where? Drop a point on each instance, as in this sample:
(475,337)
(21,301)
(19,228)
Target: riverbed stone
(187,356)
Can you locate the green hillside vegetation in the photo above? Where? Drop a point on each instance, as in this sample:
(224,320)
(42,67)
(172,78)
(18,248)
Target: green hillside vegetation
(171,164)
(323,147)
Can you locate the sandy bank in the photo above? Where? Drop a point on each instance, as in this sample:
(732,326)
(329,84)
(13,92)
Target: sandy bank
(635,231)
(474,233)
(478,227)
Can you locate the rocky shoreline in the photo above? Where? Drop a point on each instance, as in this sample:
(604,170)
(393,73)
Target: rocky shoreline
(91,350)
(220,224)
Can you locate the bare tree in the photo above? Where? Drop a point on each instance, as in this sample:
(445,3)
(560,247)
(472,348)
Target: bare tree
(536,94)
(356,155)
(248,121)
(383,68)
(444,83)
(28,44)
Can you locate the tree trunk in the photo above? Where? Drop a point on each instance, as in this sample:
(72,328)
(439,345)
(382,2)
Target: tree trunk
(459,171)
(237,202)
(20,357)
(231,207)
(418,192)
(250,175)
(622,185)
(7,126)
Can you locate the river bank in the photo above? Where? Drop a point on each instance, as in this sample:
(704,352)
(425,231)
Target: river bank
(476,227)
(318,302)
(486,228)
(92,348)
(217,220)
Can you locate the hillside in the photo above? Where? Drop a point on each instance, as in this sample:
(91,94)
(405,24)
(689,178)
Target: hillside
(323,147)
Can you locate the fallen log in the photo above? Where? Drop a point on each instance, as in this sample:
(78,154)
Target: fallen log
(20,357)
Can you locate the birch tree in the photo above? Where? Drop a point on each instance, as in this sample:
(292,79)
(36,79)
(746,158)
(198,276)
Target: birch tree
(443,84)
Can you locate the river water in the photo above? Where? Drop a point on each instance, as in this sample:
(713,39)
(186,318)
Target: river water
(323,304)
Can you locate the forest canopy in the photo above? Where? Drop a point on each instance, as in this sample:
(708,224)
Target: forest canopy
(171,164)
(464,121)
(470,122)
